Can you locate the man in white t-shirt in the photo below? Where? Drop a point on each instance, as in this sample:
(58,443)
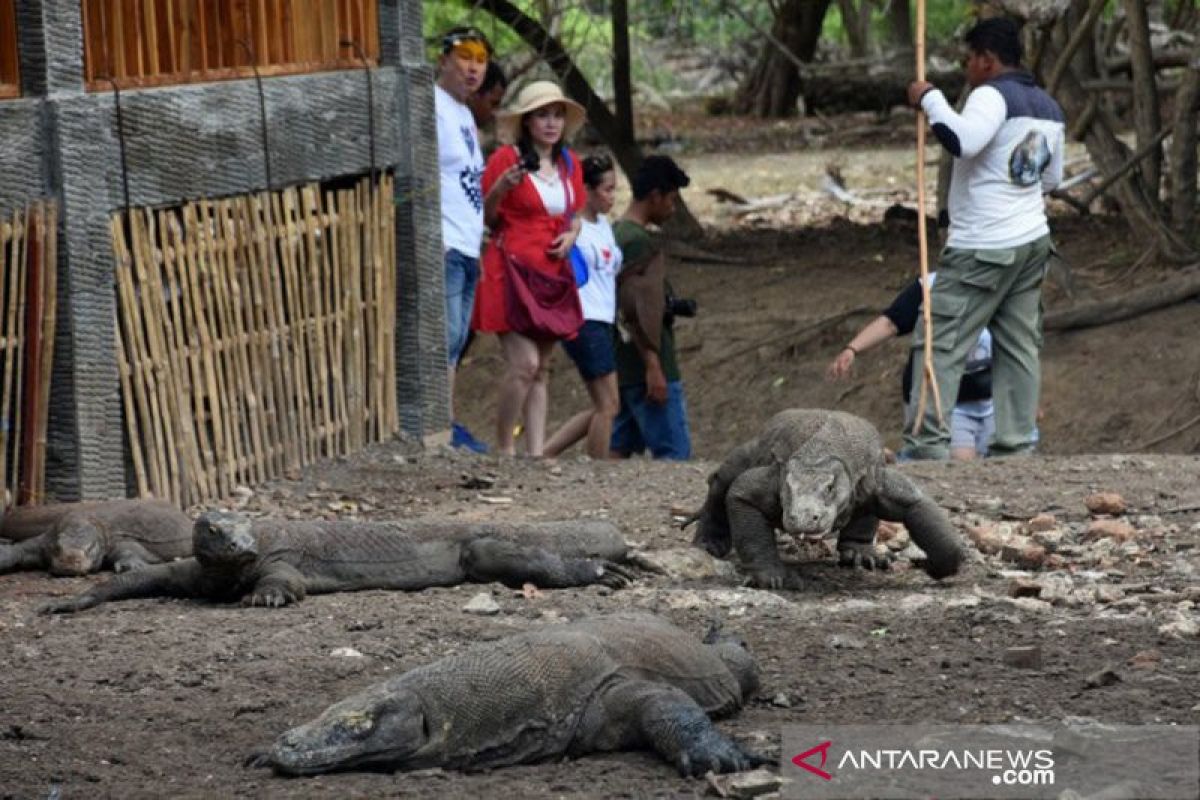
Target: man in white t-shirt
(1008,149)
(461,68)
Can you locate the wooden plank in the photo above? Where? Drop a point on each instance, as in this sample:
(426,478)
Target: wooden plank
(17,354)
(10,72)
(13,268)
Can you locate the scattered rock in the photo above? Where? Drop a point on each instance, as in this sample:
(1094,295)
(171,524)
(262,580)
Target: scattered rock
(1057,588)
(1146,659)
(1107,593)
(841,641)
(1106,676)
(1182,627)
(1024,657)
(743,785)
(482,604)
(1023,552)
(345,652)
(1042,523)
(781,700)
(985,538)
(1051,539)
(684,563)
(1105,503)
(1112,529)
(495,500)
(912,553)
(1024,587)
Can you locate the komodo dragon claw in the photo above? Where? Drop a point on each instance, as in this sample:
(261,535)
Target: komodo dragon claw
(862,556)
(614,576)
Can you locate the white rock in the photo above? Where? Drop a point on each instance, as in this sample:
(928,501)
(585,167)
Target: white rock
(1180,628)
(345,652)
(685,563)
(482,604)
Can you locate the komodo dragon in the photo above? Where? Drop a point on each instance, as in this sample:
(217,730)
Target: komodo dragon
(273,562)
(812,473)
(78,538)
(618,682)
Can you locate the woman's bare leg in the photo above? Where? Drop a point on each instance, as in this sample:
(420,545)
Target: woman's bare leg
(537,401)
(520,373)
(606,402)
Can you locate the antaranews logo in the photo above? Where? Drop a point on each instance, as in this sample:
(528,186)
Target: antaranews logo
(801,760)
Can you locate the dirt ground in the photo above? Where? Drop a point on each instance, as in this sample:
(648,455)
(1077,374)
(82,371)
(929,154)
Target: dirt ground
(155,698)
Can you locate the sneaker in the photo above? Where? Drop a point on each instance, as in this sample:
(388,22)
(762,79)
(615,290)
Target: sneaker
(461,437)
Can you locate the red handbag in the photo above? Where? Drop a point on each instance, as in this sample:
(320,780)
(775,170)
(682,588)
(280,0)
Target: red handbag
(541,305)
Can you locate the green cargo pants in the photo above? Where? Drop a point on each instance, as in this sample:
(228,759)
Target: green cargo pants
(1000,289)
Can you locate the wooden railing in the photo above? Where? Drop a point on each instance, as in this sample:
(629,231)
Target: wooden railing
(10,73)
(156,42)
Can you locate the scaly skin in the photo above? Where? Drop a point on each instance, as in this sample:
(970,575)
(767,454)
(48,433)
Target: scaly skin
(274,563)
(609,683)
(79,538)
(811,473)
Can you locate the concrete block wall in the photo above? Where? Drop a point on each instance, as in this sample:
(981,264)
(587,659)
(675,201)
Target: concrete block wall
(205,140)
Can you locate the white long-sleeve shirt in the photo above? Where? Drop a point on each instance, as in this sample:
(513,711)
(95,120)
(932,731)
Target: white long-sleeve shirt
(1008,149)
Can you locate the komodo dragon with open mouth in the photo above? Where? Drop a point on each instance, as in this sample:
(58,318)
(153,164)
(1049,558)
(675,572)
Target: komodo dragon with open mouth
(78,538)
(271,562)
(813,472)
(620,682)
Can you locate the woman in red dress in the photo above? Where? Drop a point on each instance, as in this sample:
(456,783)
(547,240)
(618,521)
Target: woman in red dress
(533,190)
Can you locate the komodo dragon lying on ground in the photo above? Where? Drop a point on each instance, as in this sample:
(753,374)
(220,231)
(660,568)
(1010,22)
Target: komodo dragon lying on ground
(78,538)
(272,562)
(812,473)
(608,683)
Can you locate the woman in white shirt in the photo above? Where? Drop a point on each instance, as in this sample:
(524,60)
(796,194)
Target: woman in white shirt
(592,350)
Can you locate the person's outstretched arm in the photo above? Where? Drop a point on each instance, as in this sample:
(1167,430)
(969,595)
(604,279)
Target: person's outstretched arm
(875,332)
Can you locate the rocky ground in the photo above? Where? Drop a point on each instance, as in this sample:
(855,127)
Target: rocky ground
(1081,604)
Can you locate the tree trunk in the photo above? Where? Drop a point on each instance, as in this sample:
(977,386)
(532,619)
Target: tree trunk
(1126,305)
(857,23)
(622,68)
(1183,154)
(773,86)
(1147,118)
(900,31)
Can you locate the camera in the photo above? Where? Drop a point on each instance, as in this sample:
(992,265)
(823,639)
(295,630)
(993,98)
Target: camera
(530,161)
(677,307)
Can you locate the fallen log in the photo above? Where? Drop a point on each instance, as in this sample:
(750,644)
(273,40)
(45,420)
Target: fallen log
(1131,304)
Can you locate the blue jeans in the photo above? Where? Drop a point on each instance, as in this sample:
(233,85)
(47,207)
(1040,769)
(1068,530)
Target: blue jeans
(641,424)
(462,276)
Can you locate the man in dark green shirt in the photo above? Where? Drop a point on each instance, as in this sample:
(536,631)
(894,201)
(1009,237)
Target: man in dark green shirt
(653,411)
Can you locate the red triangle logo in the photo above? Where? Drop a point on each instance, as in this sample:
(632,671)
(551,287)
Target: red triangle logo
(823,749)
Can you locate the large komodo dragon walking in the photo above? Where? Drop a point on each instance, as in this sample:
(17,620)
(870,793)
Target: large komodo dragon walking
(812,473)
(619,682)
(273,562)
(78,538)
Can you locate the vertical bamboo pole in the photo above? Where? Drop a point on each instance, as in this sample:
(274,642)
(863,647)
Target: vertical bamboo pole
(31,405)
(281,348)
(928,376)
(49,321)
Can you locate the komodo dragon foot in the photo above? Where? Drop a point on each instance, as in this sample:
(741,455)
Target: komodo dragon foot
(614,576)
(773,576)
(861,555)
(712,751)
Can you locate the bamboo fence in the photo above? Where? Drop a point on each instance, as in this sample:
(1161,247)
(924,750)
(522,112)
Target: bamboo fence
(28,313)
(255,335)
(154,42)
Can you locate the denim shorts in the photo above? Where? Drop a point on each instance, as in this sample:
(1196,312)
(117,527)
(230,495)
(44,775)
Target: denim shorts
(642,425)
(592,350)
(462,276)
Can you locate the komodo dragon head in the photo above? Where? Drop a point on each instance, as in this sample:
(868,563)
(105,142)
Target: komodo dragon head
(223,539)
(375,729)
(77,547)
(813,495)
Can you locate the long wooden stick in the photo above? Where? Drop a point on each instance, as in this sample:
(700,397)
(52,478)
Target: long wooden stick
(928,376)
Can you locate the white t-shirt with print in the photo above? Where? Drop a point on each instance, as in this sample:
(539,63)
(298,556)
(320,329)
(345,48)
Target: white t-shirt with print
(599,295)
(460,164)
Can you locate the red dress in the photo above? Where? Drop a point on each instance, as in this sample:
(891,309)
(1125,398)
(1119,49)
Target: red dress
(526,230)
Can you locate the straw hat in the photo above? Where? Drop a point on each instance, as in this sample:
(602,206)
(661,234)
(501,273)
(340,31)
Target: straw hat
(532,97)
